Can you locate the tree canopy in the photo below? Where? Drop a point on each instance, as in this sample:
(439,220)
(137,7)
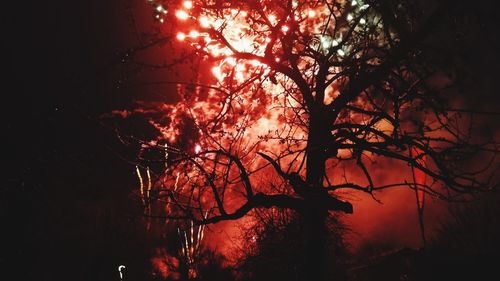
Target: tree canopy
(309,89)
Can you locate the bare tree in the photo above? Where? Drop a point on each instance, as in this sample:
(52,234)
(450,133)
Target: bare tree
(273,246)
(315,93)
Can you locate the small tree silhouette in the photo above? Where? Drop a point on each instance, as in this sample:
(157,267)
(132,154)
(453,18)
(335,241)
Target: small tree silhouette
(315,92)
(274,244)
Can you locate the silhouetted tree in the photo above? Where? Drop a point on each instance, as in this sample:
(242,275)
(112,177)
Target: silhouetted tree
(316,92)
(472,228)
(465,245)
(274,244)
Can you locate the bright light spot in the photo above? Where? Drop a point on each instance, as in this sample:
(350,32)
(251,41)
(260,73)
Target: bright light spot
(240,77)
(364,7)
(285,28)
(159,8)
(255,62)
(277,59)
(354,3)
(272,19)
(231,61)
(341,52)
(182,15)
(205,22)
(181,36)
(197,149)
(362,21)
(188,4)
(217,73)
(194,33)
(325,44)
(243,13)
(350,17)
(215,52)
(335,43)
(240,68)
(294,4)
(311,13)
(120,268)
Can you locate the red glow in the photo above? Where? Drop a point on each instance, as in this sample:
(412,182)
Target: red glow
(250,102)
(420,176)
(258,105)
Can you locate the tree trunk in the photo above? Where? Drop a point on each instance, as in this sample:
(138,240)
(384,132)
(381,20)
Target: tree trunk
(316,244)
(317,137)
(315,214)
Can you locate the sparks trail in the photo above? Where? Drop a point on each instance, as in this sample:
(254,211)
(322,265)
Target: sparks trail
(191,246)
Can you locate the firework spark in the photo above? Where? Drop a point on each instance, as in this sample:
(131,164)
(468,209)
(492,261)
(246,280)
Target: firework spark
(191,245)
(141,185)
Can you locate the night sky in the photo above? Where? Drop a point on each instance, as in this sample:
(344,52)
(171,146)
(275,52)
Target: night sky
(64,205)
(66,211)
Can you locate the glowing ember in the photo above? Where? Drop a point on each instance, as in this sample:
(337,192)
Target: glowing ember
(181,36)
(188,4)
(194,34)
(182,15)
(197,149)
